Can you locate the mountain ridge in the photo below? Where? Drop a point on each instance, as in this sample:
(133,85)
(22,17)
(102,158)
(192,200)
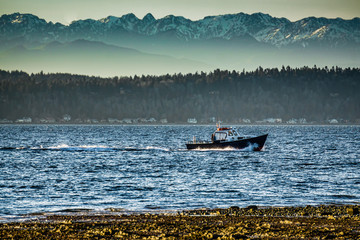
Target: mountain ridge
(231,41)
(262,27)
(87,57)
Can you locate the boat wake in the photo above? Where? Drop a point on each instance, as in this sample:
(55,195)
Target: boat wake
(65,147)
(102,148)
(83,148)
(250,148)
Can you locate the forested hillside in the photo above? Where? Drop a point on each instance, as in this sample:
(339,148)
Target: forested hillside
(314,94)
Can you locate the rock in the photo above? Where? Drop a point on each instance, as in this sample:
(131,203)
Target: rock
(352,211)
(253,207)
(234,208)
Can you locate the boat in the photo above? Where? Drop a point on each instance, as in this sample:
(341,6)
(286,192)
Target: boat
(227,137)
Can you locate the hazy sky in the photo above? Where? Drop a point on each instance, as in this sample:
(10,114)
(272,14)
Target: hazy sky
(65,11)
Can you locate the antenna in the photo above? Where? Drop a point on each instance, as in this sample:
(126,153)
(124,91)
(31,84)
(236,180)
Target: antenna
(218,125)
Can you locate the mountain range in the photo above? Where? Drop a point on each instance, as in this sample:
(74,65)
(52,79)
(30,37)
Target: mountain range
(127,45)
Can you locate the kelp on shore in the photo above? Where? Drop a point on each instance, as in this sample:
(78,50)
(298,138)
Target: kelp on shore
(323,222)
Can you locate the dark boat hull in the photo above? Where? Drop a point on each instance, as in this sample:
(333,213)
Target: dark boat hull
(256,142)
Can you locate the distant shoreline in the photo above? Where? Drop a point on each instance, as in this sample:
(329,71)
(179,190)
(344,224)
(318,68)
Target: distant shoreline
(306,96)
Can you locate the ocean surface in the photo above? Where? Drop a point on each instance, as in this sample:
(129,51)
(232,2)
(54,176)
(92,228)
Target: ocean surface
(54,168)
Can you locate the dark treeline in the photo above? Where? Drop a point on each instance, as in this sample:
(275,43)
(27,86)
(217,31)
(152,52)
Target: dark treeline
(316,94)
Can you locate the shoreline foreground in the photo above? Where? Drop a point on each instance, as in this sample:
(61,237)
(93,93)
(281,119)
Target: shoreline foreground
(252,222)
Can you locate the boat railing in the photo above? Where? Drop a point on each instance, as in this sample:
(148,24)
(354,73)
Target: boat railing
(198,142)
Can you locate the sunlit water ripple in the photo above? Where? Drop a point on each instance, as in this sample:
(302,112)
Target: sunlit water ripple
(51,168)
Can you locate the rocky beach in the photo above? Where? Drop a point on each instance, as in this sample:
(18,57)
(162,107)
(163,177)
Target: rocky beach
(252,222)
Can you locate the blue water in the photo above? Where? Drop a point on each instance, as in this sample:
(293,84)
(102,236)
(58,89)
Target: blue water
(52,168)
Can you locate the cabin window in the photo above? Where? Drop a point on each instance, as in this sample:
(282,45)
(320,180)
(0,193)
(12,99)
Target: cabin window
(220,136)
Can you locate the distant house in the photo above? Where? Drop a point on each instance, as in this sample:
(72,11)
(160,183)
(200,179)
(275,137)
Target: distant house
(5,121)
(91,121)
(152,120)
(126,120)
(273,120)
(47,120)
(113,120)
(296,121)
(24,120)
(333,121)
(163,120)
(302,121)
(246,120)
(292,121)
(192,120)
(66,118)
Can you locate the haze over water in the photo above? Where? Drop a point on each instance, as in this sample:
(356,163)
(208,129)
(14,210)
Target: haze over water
(53,168)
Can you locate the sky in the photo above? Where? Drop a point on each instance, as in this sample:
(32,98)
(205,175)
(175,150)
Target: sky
(66,11)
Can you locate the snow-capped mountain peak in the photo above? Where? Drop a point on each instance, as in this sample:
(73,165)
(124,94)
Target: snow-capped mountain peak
(279,32)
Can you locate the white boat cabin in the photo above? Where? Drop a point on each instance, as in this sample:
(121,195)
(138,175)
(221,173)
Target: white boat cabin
(225,134)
